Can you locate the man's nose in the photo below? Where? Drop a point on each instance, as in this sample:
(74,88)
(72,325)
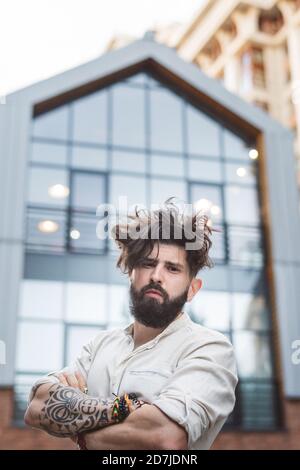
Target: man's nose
(156,274)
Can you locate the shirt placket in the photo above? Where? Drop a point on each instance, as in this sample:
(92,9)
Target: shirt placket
(122,365)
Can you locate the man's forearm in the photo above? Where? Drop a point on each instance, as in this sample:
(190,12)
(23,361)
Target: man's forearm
(65,411)
(122,436)
(145,429)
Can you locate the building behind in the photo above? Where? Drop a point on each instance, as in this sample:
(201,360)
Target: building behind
(140,122)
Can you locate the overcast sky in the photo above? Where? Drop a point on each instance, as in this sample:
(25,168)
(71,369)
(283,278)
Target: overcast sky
(40,38)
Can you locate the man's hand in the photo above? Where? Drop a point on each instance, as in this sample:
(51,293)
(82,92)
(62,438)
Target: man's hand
(75,380)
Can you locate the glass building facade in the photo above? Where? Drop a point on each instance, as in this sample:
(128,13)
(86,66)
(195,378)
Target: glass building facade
(144,140)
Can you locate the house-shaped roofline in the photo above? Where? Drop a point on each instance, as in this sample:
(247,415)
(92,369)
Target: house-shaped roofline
(166,62)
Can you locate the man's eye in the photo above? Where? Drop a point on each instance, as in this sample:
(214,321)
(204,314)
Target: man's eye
(174,270)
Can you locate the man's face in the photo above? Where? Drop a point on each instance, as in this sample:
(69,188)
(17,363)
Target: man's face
(160,286)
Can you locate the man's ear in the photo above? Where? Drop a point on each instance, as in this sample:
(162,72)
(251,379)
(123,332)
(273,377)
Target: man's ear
(195,286)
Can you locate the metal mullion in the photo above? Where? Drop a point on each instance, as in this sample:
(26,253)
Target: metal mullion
(148,149)
(184,116)
(70,176)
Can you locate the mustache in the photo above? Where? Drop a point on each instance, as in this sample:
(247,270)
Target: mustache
(154,287)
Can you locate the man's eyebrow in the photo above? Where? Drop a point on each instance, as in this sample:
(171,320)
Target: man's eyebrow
(168,263)
(174,265)
(152,260)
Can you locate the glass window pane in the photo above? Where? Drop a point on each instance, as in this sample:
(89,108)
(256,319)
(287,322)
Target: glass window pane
(258,402)
(241,205)
(83,233)
(216,278)
(162,189)
(23,385)
(252,354)
(118,306)
(249,312)
(33,295)
(112,247)
(53,124)
(26,380)
(153,82)
(166,120)
(169,166)
(88,190)
(240,173)
(90,118)
(48,186)
(133,187)
(235,147)
(49,153)
(211,309)
(78,336)
(207,199)
(46,229)
(89,158)
(128,116)
(203,133)
(129,161)
(138,78)
(39,346)
(86,303)
(247,280)
(217,251)
(245,246)
(204,171)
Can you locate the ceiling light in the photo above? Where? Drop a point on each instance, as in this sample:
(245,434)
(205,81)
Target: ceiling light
(58,191)
(48,226)
(253,154)
(241,172)
(75,234)
(203,204)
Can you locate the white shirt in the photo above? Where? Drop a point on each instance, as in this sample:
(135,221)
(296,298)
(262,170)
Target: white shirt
(188,371)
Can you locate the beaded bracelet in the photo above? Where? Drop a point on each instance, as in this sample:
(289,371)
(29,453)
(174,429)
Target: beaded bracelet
(122,406)
(121,409)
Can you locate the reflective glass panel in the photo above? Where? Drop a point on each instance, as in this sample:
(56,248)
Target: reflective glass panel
(53,124)
(39,346)
(90,118)
(86,303)
(128,111)
(203,133)
(32,299)
(166,120)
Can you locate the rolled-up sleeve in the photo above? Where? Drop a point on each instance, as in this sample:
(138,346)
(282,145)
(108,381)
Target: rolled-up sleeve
(201,392)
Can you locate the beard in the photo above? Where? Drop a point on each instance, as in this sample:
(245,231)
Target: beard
(153,312)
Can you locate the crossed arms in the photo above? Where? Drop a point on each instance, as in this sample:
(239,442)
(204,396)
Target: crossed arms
(63,410)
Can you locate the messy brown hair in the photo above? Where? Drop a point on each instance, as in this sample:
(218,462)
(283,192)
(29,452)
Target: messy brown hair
(148,229)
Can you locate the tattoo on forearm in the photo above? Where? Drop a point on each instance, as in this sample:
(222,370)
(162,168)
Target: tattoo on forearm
(68,411)
(104,418)
(33,392)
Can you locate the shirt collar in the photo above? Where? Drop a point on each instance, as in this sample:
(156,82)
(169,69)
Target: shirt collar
(175,325)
